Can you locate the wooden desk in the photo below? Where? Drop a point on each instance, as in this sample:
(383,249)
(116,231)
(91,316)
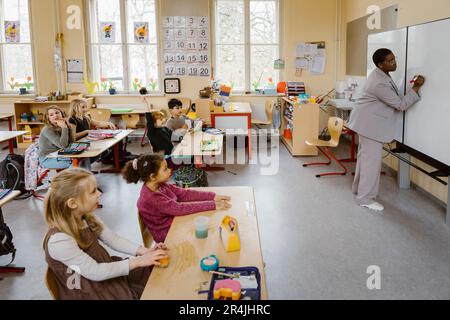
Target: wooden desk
(10,136)
(97,148)
(238,119)
(11,196)
(191,146)
(183,276)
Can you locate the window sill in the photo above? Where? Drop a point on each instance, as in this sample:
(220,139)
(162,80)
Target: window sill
(13,95)
(131,95)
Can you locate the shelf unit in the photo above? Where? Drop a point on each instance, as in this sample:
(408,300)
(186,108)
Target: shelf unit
(23,106)
(304,126)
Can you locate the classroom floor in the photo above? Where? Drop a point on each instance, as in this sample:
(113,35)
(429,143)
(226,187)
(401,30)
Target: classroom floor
(317,244)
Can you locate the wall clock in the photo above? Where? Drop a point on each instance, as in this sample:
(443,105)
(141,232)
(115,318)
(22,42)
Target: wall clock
(172,85)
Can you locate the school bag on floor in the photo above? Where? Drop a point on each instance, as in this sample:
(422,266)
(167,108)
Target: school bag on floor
(190,177)
(12,173)
(6,244)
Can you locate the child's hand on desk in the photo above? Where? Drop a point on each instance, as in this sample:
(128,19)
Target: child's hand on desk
(149,259)
(222,198)
(143,251)
(222,205)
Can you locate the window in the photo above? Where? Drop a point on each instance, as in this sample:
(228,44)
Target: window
(123,44)
(247,43)
(16,58)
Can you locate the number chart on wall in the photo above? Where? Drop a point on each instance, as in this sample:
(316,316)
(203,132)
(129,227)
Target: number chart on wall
(186,46)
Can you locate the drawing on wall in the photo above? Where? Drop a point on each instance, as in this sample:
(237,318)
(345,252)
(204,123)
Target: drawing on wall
(12,31)
(141,32)
(107,32)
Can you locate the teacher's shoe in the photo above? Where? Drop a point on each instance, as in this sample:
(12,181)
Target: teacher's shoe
(374,206)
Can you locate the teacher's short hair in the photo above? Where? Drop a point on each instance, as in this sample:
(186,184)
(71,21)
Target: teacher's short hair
(380,56)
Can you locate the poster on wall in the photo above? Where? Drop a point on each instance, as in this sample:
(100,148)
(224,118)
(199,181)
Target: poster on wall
(141,32)
(107,32)
(12,31)
(186,46)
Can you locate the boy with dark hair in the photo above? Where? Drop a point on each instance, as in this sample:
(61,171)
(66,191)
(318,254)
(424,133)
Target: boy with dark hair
(177,123)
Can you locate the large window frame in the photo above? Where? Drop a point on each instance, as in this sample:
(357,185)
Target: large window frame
(247,42)
(125,44)
(30,43)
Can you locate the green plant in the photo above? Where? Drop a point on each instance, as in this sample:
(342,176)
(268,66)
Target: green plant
(28,84)
(111,85)
(256,85)
(152,84)
(136,84)
(104,84)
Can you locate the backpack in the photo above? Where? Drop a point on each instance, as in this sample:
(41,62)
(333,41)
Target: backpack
(190,177)
(12,173)
(6,245)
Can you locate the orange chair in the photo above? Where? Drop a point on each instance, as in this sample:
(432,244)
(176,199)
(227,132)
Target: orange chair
(335,127)
(147,238)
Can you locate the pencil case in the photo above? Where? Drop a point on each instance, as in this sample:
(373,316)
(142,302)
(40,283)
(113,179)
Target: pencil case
(250,284)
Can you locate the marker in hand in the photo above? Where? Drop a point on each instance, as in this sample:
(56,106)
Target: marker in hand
(414,80)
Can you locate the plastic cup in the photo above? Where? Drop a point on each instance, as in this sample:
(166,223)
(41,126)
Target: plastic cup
(201,227)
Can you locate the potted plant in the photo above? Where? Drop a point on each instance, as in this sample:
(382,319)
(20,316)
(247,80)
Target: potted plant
(26,86)
(112,89)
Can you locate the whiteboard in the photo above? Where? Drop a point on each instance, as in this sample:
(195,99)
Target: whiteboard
(395,41)
(427,124)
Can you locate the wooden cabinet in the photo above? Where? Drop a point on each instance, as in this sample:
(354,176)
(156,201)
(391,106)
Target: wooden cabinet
(38,109)
(304,123)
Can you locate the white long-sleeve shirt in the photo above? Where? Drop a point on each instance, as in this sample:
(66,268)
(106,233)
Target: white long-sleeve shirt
(64,248)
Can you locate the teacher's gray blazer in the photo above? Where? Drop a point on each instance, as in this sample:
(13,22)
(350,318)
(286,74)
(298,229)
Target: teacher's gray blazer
(375,114)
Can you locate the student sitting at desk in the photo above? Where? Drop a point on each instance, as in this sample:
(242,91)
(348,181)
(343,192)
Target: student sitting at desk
(79,117)
(159,202)
(73,245)
(57,134)
(177,123)
(160,136)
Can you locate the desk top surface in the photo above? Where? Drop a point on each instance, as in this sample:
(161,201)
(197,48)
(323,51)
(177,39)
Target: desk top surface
(11,196)
(182,278)
(97,147)
(239,107)
(191,145)
(8,135)
(6,115)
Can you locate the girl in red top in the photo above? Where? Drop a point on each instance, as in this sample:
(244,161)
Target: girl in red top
(160,202)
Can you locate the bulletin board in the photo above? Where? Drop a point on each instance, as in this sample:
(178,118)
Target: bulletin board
(185,28)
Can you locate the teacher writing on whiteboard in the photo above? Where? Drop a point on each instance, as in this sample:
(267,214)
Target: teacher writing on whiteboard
(374,119)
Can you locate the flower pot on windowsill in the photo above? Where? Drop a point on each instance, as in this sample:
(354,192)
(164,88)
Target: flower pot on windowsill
(23,91)
(112,91)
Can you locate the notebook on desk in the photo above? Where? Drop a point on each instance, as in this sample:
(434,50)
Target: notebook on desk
(4,193)
(210,145)
(103,134)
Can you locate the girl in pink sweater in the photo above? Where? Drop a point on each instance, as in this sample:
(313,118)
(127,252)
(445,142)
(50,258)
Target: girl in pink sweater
(159,202)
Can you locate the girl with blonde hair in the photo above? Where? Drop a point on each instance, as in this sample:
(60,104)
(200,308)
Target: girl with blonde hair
(78,116)
(83,269)
(57,134)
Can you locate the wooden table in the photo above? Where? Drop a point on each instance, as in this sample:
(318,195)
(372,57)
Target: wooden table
(10,136)
(182,278)
(191,146)
(11,196)
(97,148)
(9,117)
(240,118)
